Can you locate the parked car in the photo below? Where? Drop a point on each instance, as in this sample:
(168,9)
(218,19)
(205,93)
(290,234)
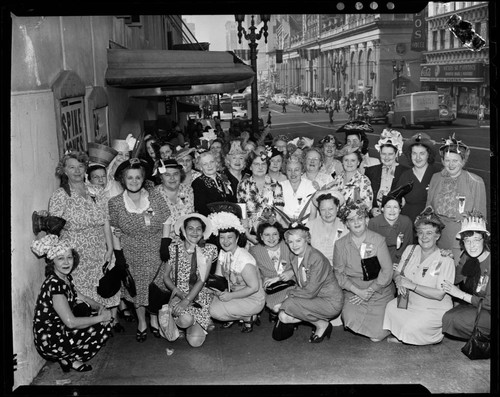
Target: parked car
(377,112)
(320,103)
(446,115)
(239,112)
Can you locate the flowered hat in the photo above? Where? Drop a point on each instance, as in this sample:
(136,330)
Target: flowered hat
(50,246)
(474,222)
(225,221)
(420,138)
(356,126)
(234,147)
(179,224)
(359,206)
(453,145)
(181,153)
(429,216)
(390,137)
(302,142)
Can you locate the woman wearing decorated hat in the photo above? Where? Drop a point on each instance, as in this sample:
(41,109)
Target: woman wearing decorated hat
(395,227)
(472,280)
(325,227)
(185,157)
(235,162)
(186,273)
(244,298)
(83,206)
(317,297)
(331,165)
(419,275)
(363,267)
(454,192)
(419,150)
(277,165)
(178,197)
(141,216)
(384,176)
(59,335)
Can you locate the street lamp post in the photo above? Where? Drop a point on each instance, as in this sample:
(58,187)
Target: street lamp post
(252,37)
(338,69)
(397,67)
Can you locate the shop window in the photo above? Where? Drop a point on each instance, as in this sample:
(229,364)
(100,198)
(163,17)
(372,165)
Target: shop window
(477,28)
(434,39)
(442,39)
(452,40)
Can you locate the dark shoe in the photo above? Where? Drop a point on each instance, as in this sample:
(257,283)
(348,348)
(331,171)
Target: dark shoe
(141,336)
(248,325)
(118,328)
(273,317)
(318,339)
(227,324)
(65,366)
(126,315)
(155,331)
(82,368)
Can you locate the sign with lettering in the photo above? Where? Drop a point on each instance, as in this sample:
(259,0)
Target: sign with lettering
(72,124)
(460,72)
(419,37)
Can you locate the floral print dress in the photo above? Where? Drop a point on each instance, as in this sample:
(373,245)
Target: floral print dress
(358,184)
(184,204)
(52,338)
(84,229)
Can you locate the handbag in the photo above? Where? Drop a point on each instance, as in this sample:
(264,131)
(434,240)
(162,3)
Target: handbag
(158,297)
(478,345)
(111,281)
(168,327)
(371,268)
(282,331)
(279,286)
(82,309)
(216,282)
(129,282)
(403,299)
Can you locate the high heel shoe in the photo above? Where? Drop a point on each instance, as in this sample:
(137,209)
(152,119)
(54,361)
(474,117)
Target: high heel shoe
(155,331)
(318,339)
(140,336)
(227,324)
(126,315)
(248,325)
(273,317)
(65,366)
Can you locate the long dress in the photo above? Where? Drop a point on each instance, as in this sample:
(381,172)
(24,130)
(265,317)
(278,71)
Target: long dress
(367,317)
(269,268)
(421,322)
(205,296)
(84,229)
(53,339)
(231,266)
(183,205)
(142,232)
(459,321)
(317,295)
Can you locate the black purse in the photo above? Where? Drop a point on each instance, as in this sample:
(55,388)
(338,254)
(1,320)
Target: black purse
(110,283)
(82,309)
(279,286)
(282,331)
(158,297)
(371,268)
(129,282)
(217,282)
(478,346)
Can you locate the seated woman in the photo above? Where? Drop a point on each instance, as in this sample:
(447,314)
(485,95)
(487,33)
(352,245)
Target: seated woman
(271,254)
(473,281)
(421,272)
(318,297)
(58,334)
(186,273)
(244,299)
(395,227)
(366,290)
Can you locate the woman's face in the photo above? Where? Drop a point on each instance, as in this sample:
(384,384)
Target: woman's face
(329,149)
(275,164)
(453,163)
(74,170)
(328,210)
(281,146)
(216,147)
(166,152)
(297,242)
(419,156)
(63,263)
(427,236)
(171,179)
(388,156)
(474,245)
(98,177)
(353,140)
(134,179)
(357,223)
(150,149)
(270,237)
(391,211)
(208,164)
(236,162)
(258,167)
(194,231)
(313,161)
(121,157)
(294,171)
(350,162)
(186,162)
(228,241)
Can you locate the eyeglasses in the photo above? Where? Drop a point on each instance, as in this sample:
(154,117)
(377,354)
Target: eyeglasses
(472,241)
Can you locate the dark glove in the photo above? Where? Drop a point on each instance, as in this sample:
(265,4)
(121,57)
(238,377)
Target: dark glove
(164,251)
(120,258)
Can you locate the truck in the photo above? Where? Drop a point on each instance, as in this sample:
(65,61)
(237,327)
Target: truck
(416,108)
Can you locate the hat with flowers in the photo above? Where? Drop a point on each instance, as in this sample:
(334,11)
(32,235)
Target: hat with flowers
(50,246)
(390,137)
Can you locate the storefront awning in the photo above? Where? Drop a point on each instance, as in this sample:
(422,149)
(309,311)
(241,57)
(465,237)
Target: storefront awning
(162,72)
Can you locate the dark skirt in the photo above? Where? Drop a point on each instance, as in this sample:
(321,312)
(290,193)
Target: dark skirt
(459,321)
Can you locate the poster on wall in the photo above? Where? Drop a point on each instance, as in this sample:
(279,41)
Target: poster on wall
(72,120)
(100,133)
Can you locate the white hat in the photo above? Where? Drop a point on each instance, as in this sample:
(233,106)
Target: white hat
(473,223)
(124,145)
(179,225)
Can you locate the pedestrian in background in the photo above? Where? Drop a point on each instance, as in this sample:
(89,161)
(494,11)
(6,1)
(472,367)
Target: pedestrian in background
(330,114)
(269,120)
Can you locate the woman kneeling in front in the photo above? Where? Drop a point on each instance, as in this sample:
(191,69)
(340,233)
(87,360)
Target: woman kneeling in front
(318,298)
(244,299)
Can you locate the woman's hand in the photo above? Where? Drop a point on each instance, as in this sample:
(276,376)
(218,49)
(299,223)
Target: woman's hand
(180,307)
(245,223)
(285,276)
(178,294)
(108,255)
(407,283)
(451,289)
(269,281)
(362,295)
(106,316)
(225,296)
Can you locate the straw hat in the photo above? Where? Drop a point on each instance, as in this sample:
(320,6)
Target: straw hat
(179,224)
(475,222)
(100,154)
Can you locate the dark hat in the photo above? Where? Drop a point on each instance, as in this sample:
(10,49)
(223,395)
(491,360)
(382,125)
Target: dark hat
(429,216)
(398,194)
(49,224)
(275,152)
(169,163)
(453,145)
(133,162)
(327,139)
(420,138)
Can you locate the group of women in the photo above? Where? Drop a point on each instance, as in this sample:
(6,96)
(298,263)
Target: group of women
(321,235)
